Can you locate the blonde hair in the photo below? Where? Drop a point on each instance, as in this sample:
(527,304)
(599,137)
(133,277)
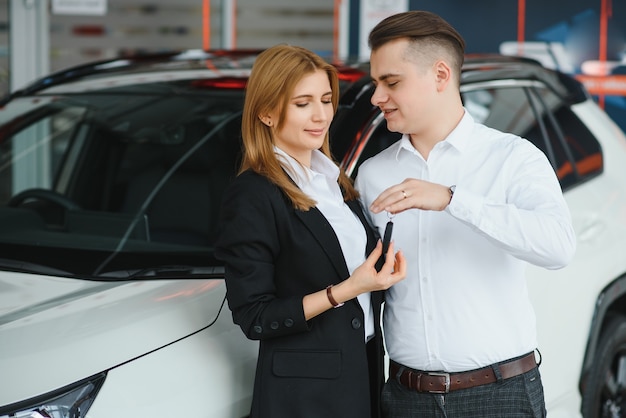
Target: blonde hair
(275,73)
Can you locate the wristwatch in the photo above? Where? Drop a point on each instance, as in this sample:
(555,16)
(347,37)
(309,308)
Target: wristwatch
(451,189)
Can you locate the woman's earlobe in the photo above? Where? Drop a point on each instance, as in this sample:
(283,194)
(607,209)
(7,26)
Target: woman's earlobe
(266,120)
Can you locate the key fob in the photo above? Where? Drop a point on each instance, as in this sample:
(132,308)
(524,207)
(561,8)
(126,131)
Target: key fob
(387,238)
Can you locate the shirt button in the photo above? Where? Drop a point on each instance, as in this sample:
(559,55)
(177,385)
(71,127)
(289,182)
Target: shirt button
(274,325)
(288,322)
(258,329)
(356,323)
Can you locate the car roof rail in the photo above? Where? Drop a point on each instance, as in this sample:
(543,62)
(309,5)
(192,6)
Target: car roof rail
(102,66)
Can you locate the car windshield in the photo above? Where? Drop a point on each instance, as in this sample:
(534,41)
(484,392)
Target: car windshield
(104,183)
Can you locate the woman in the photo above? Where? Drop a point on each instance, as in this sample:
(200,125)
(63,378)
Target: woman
(294,242)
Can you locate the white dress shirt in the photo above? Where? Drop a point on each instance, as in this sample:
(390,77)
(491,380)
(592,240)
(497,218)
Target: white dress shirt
(320,183)
(465,303)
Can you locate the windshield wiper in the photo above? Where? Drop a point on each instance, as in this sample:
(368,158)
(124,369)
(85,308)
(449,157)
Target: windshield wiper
(21,266)
(167,272)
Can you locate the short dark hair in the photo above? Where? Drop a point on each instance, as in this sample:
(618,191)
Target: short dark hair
(414,24)
(419,27)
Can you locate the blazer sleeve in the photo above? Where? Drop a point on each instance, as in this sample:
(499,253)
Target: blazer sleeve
(248,244)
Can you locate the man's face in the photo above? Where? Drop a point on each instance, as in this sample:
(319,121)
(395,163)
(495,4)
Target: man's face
(406,90)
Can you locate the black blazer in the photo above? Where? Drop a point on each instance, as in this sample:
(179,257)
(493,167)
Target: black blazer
(274,255)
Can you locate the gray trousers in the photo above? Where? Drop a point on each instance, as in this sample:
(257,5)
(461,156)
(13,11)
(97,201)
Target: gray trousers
(518,397)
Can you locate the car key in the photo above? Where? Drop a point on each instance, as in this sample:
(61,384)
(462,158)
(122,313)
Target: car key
(387,236)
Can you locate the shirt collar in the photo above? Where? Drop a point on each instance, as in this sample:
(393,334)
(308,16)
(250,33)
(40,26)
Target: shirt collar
(301,175)
(457,138)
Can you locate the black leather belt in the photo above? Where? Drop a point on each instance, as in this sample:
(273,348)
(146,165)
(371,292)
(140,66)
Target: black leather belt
(440,382)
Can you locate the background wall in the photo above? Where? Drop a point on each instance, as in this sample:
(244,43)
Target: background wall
(132,26)
(576,23)
(157,25)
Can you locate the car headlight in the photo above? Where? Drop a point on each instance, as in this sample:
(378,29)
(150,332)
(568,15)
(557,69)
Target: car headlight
(69,402)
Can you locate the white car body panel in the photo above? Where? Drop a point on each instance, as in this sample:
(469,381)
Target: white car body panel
(57,331)
(598,209)
(185,374)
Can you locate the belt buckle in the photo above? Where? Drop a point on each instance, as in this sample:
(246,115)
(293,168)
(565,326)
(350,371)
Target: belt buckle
(446,384)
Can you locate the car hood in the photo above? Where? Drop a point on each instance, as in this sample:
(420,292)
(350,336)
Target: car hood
(56,331)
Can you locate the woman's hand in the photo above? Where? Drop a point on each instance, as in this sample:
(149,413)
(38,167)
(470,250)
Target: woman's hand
(365,278)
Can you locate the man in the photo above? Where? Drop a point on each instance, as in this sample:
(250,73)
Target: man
(473,206)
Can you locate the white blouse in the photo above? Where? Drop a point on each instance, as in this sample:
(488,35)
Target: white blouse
(320,183)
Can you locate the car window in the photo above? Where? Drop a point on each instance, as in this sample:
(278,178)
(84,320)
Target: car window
(101,182)
(534,112)
(525,108)
(30,157)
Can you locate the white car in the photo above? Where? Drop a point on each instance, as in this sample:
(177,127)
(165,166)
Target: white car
(111,176)
(111,303)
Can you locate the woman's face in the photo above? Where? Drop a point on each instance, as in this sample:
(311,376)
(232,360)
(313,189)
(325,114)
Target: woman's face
(307,117)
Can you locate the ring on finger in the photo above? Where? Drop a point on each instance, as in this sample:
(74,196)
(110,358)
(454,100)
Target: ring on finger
(404,194)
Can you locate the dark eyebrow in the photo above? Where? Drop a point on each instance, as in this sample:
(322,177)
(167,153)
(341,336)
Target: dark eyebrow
(386,76)
(308,96)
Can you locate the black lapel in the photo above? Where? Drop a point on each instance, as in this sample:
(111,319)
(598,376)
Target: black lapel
(372,234)
(372,238)
(325,235)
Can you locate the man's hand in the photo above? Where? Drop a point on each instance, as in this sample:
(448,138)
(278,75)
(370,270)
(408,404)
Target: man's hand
(412,194)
